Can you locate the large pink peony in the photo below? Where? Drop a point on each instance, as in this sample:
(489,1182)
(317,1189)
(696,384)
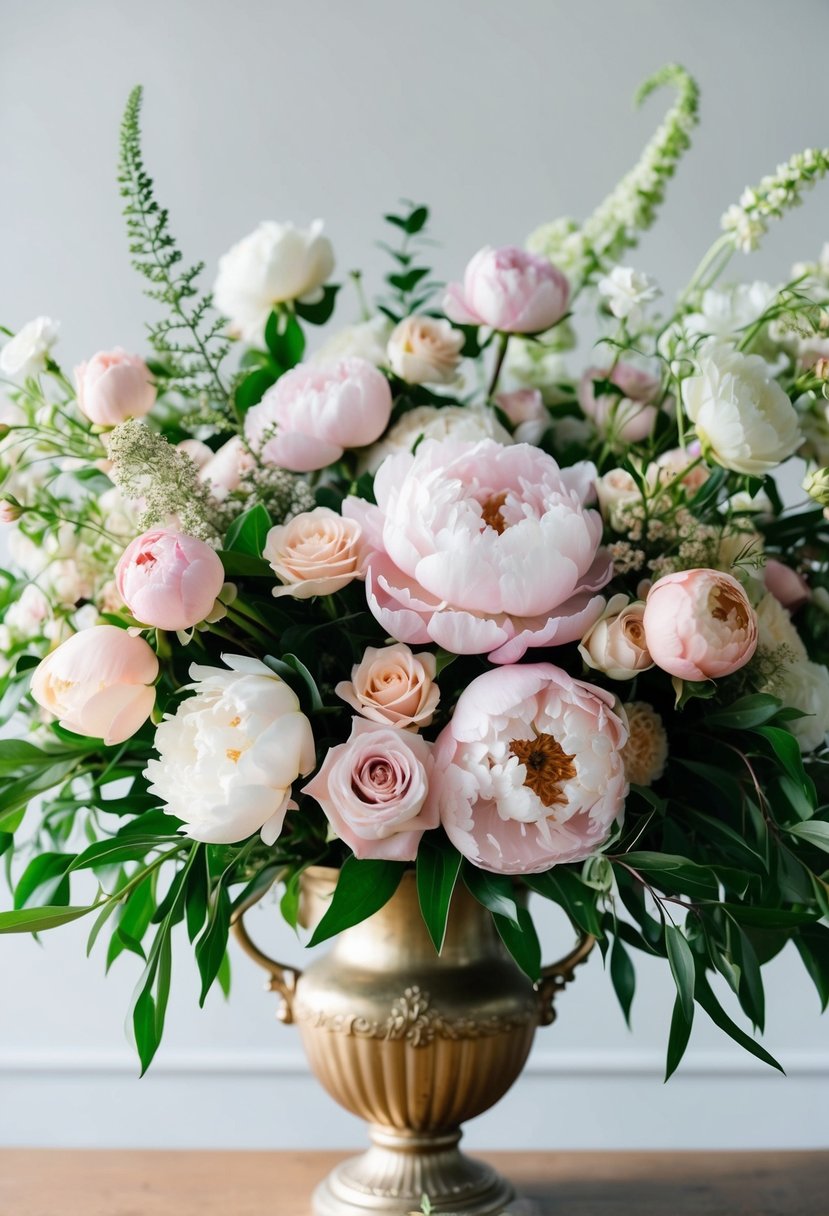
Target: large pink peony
(529,773)
(482,548)
(510,290)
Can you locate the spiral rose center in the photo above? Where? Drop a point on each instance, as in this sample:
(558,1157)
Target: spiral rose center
(491,512)
(547,766)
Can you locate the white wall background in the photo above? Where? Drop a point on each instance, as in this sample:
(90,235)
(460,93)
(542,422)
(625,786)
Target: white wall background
(500,116)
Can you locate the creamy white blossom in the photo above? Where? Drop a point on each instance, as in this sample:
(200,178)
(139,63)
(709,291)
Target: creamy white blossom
(365,340)
(797,681)
(626,292)
(25,354)
(431,422)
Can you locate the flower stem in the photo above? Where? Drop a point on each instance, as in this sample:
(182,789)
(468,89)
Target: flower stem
(503,343)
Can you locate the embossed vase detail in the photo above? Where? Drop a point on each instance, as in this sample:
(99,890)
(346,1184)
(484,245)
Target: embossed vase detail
(413,1042)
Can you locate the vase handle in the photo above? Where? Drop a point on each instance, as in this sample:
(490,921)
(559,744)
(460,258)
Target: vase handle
(282,979)
(556,976)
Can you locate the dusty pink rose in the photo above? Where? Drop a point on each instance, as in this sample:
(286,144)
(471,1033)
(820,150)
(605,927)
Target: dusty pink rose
(99,683)
(225,469)
(529,772)
(113,386)
(482,548)
(787,586)
(168,579)
(313,413)
(699,624)
(510,290)
(316,553)
(629,418)
(394,686)
(527,412)
(373,789)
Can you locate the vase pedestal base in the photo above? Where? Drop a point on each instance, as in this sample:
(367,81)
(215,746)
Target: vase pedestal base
(401,1167)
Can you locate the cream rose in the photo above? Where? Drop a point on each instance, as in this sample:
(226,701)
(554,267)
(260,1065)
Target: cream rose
(616,491)
(25,354)
(316,553)
(425,350)
(394,686)
(616,643)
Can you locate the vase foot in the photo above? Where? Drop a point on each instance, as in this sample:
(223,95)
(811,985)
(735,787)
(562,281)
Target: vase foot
(399,1168)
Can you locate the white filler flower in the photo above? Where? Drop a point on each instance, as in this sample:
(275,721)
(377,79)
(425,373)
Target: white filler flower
(25,354)
(626,292)
(229,755)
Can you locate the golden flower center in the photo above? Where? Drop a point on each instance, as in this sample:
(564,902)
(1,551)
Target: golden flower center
(728,605)
(547,767)
(491,512)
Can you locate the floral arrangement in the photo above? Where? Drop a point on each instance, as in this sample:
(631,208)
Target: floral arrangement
(442,594)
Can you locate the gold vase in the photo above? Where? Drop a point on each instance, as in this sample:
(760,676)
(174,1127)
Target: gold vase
(414,1043)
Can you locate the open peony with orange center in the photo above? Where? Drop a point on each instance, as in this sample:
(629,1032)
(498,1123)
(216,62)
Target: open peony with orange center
(529,773)
(482,548)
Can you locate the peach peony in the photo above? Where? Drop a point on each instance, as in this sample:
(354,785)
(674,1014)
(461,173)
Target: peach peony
(699,624)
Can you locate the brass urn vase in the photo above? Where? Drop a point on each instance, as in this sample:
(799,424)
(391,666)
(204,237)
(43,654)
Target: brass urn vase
(413,1042)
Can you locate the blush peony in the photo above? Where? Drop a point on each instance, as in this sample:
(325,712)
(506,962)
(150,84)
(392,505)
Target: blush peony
(374,787)
(510,290)
(529,773)
(114,386)
(313,413)
(228,756)
(699,625)
(482,548)
(169,580)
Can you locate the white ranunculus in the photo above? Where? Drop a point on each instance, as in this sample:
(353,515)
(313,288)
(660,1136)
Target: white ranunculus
(25,354)
(365,340)
(274,264)
(626,292)
(230,754)
(742,416)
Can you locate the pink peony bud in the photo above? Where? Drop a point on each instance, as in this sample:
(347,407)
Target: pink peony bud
(510,290)
(168,579)
(787,586)
(98,683)
(114,386)
(699,625)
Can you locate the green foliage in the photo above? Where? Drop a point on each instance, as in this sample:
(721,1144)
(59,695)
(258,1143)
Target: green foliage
(438,867)
(363,888)
(410,288)
(190,340)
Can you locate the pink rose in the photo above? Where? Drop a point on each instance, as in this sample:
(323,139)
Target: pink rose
(313,413)
(393,686)
(510,290)
(629,418)
(316,553)
(373,789)
(699,624)
(527,412)
(99,683)
(529,773)
(482,548)
(113,386)
(787,586)
(225,469)
(168,579)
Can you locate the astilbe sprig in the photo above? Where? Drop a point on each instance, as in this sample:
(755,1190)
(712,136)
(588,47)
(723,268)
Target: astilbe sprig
(191,340)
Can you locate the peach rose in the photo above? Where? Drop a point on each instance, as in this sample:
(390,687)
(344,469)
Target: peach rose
(699,624)
(616,643)
(316,553)
(99,683)
(393,686)
(424,350)
(373,789)
(113,386)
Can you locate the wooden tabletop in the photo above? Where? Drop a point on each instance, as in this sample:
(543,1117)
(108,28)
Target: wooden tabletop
(40,1182)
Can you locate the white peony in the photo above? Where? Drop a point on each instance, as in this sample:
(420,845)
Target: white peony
(229,755)
(276,263)
(626,291)
(365,340)
(433,422)
(25,354)
(724,312)
(743,418)
(798,681)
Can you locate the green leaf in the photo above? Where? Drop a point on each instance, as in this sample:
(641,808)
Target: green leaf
(438,866)
(495,891)
(252,389)
(750,988)
(812,942)
(683,969)
(707,1000)
(745,714)
(521,941)
(320,312)
(675,874)
(16,754)
(284,339)
(815,831)
(46,870)
(212,945)
(567,890)
(248,533)
(223,975)
(681,1025)
(622,976)
(769,918)
(787,750)
(364,887)
(245,565)
(36,920)
(288,667)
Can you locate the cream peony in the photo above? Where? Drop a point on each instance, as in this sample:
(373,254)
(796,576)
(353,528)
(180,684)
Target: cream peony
(529,772)
(316,553)
(616,644)
(796,680)
(393,686)
(742,416)
(433,422)
(276,263)
(25,354)
(646,752)
(228,756)
(425,350)
(365,340)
